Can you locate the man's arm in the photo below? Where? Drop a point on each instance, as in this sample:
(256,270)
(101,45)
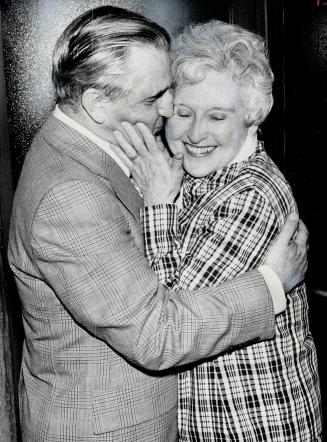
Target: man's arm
(288,255)
(86,254)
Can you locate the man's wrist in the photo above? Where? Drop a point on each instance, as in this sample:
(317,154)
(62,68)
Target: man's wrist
(275,288)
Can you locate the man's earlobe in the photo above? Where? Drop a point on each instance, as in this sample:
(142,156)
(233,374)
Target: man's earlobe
(92,100)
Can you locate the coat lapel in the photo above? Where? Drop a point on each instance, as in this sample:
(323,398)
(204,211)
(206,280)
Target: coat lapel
(67,141)
(123,188)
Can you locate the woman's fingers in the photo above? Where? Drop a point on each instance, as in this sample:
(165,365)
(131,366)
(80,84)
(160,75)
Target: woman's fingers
(150,141)
(135,138)
(163,149)
(126,147)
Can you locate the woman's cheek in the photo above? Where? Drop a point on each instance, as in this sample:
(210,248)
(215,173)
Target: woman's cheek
(174,132)
(173,129)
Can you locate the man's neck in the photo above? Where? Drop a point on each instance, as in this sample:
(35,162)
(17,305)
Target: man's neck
(74,120)
(78,114)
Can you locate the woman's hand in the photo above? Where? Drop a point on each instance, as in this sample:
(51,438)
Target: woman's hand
(157,174)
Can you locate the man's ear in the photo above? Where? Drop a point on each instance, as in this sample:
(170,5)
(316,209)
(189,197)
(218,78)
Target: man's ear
(92,103)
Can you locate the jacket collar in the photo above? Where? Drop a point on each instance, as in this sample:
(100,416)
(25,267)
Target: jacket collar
(67,141)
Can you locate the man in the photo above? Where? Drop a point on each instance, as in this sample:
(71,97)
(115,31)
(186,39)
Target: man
(98,327)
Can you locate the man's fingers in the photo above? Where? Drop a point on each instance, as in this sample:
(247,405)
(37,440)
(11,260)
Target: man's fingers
(289,229)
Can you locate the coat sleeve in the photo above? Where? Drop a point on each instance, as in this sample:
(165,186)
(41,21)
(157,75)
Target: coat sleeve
(84,251)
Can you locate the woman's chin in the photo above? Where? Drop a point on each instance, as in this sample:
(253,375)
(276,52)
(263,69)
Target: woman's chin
(196,172)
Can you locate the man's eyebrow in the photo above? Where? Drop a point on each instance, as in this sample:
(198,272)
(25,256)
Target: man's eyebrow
(158,95)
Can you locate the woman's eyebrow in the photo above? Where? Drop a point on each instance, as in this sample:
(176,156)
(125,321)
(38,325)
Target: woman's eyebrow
(224,109)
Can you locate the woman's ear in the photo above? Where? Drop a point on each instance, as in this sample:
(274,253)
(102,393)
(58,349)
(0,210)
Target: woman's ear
(92,103)
(253,129)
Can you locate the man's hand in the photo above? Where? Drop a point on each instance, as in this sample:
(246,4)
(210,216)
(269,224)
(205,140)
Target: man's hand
(288,256)
(158,176)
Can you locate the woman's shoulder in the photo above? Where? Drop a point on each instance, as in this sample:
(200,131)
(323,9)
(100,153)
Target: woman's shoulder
(269,181)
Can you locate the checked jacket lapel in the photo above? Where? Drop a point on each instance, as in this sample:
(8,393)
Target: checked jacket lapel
(67,141)
(124,188)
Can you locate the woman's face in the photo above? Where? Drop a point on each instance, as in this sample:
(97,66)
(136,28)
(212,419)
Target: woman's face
(210,120)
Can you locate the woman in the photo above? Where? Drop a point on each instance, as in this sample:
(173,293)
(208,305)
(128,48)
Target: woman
(234,202)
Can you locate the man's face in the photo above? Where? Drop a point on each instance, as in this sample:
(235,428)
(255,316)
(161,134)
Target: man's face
(149,100)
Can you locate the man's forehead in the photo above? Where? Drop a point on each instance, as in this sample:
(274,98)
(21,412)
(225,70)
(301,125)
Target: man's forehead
(149,71)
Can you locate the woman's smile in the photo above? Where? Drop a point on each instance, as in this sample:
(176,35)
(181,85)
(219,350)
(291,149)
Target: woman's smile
(199,151)
(210,120)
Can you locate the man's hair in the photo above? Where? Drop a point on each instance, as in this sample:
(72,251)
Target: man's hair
(223,47)
(92,51)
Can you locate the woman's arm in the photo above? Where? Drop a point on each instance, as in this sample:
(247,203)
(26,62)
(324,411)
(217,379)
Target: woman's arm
(162,240)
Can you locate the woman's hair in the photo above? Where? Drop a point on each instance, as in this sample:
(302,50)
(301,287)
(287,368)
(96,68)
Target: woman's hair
(92,51)
(223,47)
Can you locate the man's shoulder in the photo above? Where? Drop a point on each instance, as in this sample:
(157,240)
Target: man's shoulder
(58,153)
(56,158)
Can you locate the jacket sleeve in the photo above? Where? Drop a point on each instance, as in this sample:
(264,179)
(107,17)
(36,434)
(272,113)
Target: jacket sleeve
(84,250)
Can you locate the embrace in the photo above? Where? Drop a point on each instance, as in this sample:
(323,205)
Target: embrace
(162,296)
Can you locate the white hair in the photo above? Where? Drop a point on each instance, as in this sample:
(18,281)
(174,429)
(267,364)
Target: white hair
(223,47)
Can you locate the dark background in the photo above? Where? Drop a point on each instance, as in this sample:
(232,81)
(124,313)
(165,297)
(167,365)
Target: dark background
(294,134)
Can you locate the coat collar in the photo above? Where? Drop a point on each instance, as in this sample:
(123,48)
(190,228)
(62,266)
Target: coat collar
(67,141)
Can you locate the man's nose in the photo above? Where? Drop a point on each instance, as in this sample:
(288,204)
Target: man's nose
(196,132)
(165,105)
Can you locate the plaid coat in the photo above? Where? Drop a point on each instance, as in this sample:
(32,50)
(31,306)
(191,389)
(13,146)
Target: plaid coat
(267,391)
(97,324)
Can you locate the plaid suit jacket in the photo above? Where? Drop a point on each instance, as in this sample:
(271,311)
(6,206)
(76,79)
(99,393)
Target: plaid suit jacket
(98,326)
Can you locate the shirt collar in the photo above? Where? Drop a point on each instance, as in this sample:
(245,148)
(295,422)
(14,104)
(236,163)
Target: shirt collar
(248,148)
(100,142)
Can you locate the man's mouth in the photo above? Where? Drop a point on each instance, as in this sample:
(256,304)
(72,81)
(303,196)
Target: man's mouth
(199,151)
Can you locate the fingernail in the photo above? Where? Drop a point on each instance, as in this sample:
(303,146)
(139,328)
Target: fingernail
(293,216)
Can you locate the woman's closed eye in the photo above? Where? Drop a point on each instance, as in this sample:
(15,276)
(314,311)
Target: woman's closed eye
(217,117)
(183,113)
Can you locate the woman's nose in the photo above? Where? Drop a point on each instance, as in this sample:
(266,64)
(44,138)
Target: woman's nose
(197,133)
